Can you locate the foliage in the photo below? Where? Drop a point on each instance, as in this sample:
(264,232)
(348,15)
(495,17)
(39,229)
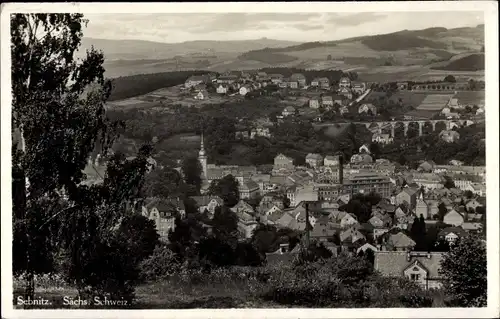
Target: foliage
(360,205)
(58,109)
(450,78)
(418,233)
(227,189)
(472,62)
(162,182)
(464,268)
(399,41)
(161,264)
(344,282)
(192,171)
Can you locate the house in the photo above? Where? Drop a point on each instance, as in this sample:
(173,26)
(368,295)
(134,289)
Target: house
(446,110)
(289,110)
(222,88)
(299,78)
(472,227)
(453,103)
(315,82)
(364,149)
(314,103)
(327,101)
(276,78)
(367,108)
(332,160)
(292,84)
(324,83)
(194,80)
(245,89)
(351,235)
(477,188)
(402,85)
(249,189)
(201,95)
(227,79)
(400,242)
(283,84)
(344,109)
(358,87)
(282,161)
(209,203)
(422,209)
(382,138)
(420,267)
(453,115)
(242,207)
(453,218)
(361,158)
(246,225)
(273,210)
(163,213)
(409,196)
(449,136)
(427,166)
(472,205)
(348,220)
(376,221)
(452,234)
(314,160)
(344,82)
(260,131)
(346,93)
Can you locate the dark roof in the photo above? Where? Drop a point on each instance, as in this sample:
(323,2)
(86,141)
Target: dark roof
(456,230)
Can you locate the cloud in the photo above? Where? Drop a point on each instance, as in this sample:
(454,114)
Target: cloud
(230,22)
(308,27)
(356,19)
(316,26)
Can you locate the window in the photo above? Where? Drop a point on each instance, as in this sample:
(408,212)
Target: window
(415,277)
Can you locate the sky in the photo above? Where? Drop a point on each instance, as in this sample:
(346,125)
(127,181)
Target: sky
(300,27)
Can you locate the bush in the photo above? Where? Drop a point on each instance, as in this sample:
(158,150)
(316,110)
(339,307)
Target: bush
(162,264)
(345,281)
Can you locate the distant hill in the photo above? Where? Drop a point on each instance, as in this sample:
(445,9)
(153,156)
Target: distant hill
(400,41)
(139,49)
(430,48)
(472,62)
(267,56)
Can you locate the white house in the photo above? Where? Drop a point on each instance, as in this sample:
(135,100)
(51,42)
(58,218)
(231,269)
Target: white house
(222,88)
(245,89)
(382,138)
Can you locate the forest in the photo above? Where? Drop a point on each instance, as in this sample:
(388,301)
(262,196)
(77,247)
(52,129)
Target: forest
(129,86)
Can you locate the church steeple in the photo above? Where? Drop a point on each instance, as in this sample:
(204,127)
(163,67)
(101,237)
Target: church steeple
(202,146)
(202,157)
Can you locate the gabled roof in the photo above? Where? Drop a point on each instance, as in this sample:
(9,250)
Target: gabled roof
(205,200)
(394,263)
(400,240)
(456,230)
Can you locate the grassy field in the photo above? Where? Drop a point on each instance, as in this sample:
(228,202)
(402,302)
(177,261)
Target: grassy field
(160,99)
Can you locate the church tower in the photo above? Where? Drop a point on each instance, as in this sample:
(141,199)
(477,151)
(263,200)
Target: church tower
(202,157)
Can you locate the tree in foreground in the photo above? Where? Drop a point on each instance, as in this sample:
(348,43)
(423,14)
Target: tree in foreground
(464,270)
(58,119)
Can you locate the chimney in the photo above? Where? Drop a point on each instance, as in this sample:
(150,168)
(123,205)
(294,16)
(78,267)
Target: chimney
(428,255)
(408,256)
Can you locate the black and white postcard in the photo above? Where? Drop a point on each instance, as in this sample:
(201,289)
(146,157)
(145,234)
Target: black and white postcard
(260,160)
